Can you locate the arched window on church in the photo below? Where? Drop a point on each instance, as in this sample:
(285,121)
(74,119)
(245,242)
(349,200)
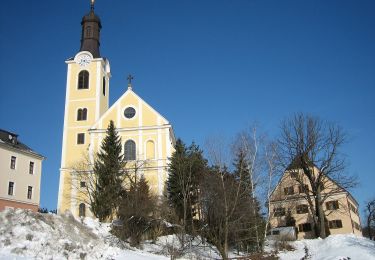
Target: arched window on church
(82,114)
(83,79)
(82,210)
(129,151)
(150,150)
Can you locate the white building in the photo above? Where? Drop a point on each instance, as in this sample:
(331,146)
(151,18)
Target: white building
(20,173)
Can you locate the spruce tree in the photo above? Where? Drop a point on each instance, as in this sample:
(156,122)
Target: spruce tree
(185,172)
(108,169)
(135,211)
(248,209)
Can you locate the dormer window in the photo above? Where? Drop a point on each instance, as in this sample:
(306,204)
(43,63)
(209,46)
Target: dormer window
(83,79)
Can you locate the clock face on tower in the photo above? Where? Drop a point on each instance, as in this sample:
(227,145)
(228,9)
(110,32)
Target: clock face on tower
(83,60)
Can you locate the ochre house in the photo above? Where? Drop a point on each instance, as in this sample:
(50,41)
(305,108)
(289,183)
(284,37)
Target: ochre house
(20,173)
(146,135)
(289,199)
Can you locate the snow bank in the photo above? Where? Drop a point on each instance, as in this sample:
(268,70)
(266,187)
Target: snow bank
(334,247)
(28,235)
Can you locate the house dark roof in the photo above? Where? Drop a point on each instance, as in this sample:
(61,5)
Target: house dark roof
(11,140)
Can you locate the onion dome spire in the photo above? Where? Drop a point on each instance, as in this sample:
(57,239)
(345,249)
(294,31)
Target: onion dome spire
(90,36)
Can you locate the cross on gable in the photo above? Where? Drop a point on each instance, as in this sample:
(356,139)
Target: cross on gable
(129,78)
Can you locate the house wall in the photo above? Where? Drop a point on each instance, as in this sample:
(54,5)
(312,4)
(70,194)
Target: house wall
(21,178)
(347,214)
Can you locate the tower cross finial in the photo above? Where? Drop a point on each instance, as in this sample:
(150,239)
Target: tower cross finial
(92,4)
(130,78)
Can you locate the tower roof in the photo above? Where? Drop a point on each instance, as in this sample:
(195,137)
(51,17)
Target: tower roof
(90,36)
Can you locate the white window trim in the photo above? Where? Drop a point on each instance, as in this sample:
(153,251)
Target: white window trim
(33,168)
(123,112)
(77,79)
(76,115)
(84,139)
(10,162)
(32,192)
(136,149)
(14,188)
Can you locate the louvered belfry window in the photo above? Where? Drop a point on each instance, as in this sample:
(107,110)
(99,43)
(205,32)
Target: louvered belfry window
(83,79)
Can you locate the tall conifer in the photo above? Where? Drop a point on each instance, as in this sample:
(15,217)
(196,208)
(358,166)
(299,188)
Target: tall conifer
(108,169)
(185,172)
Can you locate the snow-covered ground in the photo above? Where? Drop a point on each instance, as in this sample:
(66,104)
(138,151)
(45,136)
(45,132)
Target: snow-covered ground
(28,235)
(334,247)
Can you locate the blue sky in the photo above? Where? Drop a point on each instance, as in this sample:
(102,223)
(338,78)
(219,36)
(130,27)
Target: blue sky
(210,67)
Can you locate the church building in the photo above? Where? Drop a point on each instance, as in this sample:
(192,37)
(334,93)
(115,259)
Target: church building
(145,134)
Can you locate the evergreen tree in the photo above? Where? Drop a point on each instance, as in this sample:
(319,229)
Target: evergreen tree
(108,169)
(185,171)
(135,211)
(250,222)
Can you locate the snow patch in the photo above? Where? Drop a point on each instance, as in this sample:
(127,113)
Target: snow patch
(334,247)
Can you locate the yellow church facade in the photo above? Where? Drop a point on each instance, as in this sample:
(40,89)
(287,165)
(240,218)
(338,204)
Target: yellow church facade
(146,135)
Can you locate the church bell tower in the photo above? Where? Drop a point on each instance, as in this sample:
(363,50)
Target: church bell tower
(87,97)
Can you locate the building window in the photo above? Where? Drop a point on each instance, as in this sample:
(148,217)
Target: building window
(31,168)
(353,208)
(302,209)
(333,224)
(129,153)
(83,184)
(29,192)
(80,138)
(11,188)
(103,86)
(289,190)
(13,162)
(83,79)
(332,205)
(82,114)
(129,112)
(303,188)
(279,212)
(82,210)
(305,227)
(356,225)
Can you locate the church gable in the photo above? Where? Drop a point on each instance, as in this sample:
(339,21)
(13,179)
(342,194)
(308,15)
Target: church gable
(130,111)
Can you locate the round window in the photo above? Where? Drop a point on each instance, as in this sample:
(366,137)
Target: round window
(129,112)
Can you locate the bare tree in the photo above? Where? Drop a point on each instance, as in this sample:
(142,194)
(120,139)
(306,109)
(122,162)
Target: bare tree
(311,148)
(271,173)
(252,145)
(231,210)
(370,218)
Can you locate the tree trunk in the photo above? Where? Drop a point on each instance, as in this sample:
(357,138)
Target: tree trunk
(321,231)
(369,226)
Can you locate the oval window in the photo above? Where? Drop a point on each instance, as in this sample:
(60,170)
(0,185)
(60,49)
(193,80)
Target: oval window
(129,112)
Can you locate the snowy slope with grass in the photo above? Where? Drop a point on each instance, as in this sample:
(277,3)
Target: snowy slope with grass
(334,247)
